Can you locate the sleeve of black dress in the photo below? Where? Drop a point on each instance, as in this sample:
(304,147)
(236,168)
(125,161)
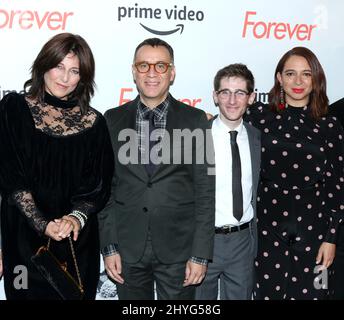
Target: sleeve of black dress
(94,188)
(256,113)
(14,178)
(334,179)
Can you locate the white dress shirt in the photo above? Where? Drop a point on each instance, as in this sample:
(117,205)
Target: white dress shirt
(223,161)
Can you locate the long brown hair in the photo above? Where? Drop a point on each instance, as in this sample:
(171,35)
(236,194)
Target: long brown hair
(318,100)
(52,53)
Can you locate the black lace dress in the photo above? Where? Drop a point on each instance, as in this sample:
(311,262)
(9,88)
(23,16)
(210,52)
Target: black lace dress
(300,200)
(53,160)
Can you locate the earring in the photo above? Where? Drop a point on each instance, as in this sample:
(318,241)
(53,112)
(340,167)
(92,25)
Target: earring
(281,105)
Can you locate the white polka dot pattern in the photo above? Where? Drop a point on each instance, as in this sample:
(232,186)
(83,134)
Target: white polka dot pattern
(300,196)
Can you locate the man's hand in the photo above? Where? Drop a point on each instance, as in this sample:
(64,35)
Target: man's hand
(326,254)
(113,267)
(209,116)
(194,273)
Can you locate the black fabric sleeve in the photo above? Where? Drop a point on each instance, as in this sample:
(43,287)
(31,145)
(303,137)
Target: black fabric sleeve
(14,163)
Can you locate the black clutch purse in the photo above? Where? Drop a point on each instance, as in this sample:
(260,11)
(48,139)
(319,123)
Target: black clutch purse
(56,273)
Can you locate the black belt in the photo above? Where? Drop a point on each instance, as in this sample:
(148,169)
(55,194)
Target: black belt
(229,229)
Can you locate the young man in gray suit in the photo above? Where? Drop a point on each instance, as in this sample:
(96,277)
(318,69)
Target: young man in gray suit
(237,159)
(158,226)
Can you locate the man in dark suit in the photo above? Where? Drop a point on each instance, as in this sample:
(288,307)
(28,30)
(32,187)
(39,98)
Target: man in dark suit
(237,157)
(337,109)
(158,226)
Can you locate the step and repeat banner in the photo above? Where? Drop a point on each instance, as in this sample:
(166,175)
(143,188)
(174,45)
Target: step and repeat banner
(206,36)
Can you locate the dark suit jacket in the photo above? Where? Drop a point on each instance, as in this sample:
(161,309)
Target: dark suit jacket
(255,150)
(177,203)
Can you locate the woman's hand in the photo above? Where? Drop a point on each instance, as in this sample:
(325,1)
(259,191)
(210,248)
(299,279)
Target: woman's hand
(60,229)
(68,224)
(52,231)
(326,254)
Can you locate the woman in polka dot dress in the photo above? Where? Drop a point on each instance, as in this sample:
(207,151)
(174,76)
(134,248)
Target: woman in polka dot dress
(300,197)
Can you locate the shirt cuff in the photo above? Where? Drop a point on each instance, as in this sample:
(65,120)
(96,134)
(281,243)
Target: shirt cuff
(203,262)
(110,250)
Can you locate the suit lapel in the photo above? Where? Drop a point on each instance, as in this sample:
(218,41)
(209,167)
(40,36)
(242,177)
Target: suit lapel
(128,121)
(255,153)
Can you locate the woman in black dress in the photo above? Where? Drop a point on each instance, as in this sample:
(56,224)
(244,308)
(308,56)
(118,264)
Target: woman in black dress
(337,289)
(300,197)
(55,169)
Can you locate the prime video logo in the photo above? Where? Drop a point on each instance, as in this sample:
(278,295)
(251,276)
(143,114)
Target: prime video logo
(177,14)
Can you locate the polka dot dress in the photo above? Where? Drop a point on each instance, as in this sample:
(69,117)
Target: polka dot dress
(300,200)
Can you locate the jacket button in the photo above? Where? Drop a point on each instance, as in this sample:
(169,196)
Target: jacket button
(149,184)
(144,209)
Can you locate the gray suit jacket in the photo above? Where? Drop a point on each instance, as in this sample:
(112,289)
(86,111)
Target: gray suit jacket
(176,204)
(255,149)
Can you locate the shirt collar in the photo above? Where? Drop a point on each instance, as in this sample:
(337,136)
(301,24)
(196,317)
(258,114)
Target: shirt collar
(159,111)
(223,128)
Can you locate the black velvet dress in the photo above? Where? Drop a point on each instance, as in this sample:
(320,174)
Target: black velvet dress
(300,200)
(53,160)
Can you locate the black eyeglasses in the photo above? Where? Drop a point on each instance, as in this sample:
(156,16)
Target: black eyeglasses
(159,67)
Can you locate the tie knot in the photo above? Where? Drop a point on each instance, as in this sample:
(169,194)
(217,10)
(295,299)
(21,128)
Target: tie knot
(233,134)
(150,116)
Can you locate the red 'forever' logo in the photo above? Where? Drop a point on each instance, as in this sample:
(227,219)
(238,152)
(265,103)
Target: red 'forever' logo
(277,30)
(27,19)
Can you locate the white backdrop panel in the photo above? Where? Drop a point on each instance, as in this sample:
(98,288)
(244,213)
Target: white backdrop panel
(215,33)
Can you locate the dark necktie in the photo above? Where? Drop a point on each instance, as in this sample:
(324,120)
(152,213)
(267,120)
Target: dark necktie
(236,178)
(150,167)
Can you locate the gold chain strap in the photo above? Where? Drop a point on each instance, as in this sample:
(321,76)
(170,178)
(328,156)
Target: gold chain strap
(75,263)
(74,259)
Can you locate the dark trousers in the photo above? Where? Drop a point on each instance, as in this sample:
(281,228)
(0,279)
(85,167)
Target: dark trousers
(140,277)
